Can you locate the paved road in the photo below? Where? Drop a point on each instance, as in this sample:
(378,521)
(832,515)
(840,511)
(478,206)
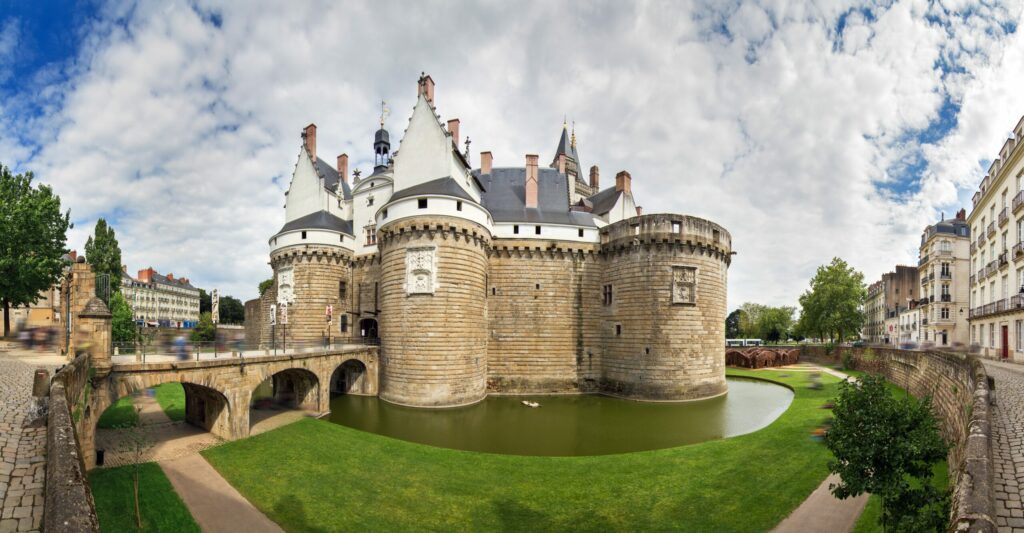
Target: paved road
(22,450)
(1008,438)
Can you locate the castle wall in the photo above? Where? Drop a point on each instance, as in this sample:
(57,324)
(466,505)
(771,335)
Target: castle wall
(664,330)
(434,341)
(542,308)
(316,273)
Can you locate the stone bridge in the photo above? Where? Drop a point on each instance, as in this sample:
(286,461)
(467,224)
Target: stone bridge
(218,392)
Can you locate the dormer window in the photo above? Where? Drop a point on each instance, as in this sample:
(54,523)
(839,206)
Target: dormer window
(369,201)
(422,203)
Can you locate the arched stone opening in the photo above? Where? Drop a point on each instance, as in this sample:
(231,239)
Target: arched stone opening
(368,329)
(158,422)
(294,389)
(351,377)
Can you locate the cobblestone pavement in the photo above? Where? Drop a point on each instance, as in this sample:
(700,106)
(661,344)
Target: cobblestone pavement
(22,450)
(1008,438)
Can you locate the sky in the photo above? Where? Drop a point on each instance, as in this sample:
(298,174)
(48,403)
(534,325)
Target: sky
(809,130)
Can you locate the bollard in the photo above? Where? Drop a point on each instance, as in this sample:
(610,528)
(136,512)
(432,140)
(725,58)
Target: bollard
(41,383)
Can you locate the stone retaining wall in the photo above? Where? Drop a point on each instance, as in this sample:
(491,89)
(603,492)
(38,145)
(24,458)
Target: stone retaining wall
(958,385)
(69,503)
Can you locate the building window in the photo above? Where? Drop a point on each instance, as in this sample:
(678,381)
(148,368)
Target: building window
(422,203)
(369,201)
(341,238)
(677,227)
(618,330)
(342,290)
(992,335)
(494,291)
(945,313)
(371,235)
(636,229)
(458,206)
(303,234)
(536,230)
(515,229)
(344,323)
(579,232)
(607,295)
(1018,331)
(384,214)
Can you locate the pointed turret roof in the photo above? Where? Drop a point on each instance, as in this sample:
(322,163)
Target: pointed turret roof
(566,146)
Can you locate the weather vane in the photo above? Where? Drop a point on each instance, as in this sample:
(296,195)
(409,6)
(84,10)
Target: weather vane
(572,141)
(384,112)
(467,148)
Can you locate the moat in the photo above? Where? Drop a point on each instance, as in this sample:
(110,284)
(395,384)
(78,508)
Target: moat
(569,425)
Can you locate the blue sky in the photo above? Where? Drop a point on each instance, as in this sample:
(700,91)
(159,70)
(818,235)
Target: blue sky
(809,130)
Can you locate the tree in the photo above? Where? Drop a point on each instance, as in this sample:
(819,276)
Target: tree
(104,254)
(266,284)
(732,324)
(205,331)
(231,310)
(205,302)
(123,319)
(774,323)
(833,307)
(33,232)
(750,317)
(886,445)
(134,443)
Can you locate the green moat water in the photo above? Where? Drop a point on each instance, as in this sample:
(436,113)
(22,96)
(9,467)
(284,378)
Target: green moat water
(570,424)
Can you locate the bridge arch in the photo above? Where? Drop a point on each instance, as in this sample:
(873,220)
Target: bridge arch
(352,377)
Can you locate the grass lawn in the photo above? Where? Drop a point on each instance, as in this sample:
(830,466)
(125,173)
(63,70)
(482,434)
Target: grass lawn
(171,397)
(314,475)
(120,414)
(162,509)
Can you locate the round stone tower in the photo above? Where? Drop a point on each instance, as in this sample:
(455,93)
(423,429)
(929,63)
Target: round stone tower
(665,292)
(307,279)
(433,308)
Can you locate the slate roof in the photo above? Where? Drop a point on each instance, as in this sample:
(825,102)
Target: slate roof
(445,186)
(160,278)
(505,198)
(319,220)
(331,178)
(604,201)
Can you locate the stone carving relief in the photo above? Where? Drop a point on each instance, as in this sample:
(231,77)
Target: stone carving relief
(684,285)
(420,271)
(286,285)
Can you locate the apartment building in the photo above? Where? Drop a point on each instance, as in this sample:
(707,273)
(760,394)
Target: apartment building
(996,314)
(896,291)
(159,300)
(944,268)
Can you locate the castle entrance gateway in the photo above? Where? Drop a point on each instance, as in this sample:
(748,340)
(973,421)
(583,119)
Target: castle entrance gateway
(350,378)
(368,329)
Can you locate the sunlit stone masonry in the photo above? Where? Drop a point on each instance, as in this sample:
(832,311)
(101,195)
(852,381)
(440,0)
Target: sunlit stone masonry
(516,278)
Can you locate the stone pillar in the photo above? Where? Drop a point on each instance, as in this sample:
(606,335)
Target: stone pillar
(76,289)
(93,335)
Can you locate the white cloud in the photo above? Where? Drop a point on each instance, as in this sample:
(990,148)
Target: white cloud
(777,127)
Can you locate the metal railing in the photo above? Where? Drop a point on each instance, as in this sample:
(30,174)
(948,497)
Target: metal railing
(991,231)
(1004,216)
(1018,201)
(183,349)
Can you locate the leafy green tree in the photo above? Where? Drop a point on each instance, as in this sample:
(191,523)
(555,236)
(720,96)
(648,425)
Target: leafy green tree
(205,331)
(886,444)
(750,317)
(833,307)
(104,254)
(266,284)
(123,319)
(732,324)
(774,323)
(231,310)
(205,302)
(33,232)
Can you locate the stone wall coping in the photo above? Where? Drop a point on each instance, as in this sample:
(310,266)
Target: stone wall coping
(237,361)
(69,503)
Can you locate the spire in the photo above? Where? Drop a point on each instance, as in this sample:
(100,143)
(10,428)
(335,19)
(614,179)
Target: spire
(572,140)
(382,142)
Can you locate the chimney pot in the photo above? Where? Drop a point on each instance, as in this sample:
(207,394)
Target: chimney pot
(639,211)
(623,182)
(595,178)
(343,167)
(485,162)
(309,139)
(453,129)
(426,88)
(531,181)
(561,163)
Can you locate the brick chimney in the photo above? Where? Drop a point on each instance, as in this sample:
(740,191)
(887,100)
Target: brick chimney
(961,214)
(453,128)
(485,162)
(639,211)
(343,167)
(426,88)
(146,274)
(595,178)
(170,276)
(531,181)
(623,182)
(309,139)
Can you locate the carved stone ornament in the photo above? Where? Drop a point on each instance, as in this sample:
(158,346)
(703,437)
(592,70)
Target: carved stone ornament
(420,271)
(286,285)
(684,285)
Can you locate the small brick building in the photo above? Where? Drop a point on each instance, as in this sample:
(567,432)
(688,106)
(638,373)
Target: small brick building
(495,279)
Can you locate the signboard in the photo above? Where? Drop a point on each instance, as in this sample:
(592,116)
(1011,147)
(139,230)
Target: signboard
(273,315)
(330,313)
(215,306)
(284,313)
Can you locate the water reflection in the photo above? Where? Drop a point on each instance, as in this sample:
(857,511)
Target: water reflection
(569,425)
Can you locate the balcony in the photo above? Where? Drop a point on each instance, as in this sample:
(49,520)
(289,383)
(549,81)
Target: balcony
(974,280)
(922,301)
(924,321)
(924,280)
(943,253)
(931,277)
(922,261)
(981,274)
(1004,259)
(1017,251)
(1004,216)
(1018,202)
(946,275)
(946,298)
(974,248)
(991,231)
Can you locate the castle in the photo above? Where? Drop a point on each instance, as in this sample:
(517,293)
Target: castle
(505,279)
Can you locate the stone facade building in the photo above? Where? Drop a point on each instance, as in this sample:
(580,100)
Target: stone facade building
(159,300)
(997,254)
(496,278)
(944,267)
(887,297)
